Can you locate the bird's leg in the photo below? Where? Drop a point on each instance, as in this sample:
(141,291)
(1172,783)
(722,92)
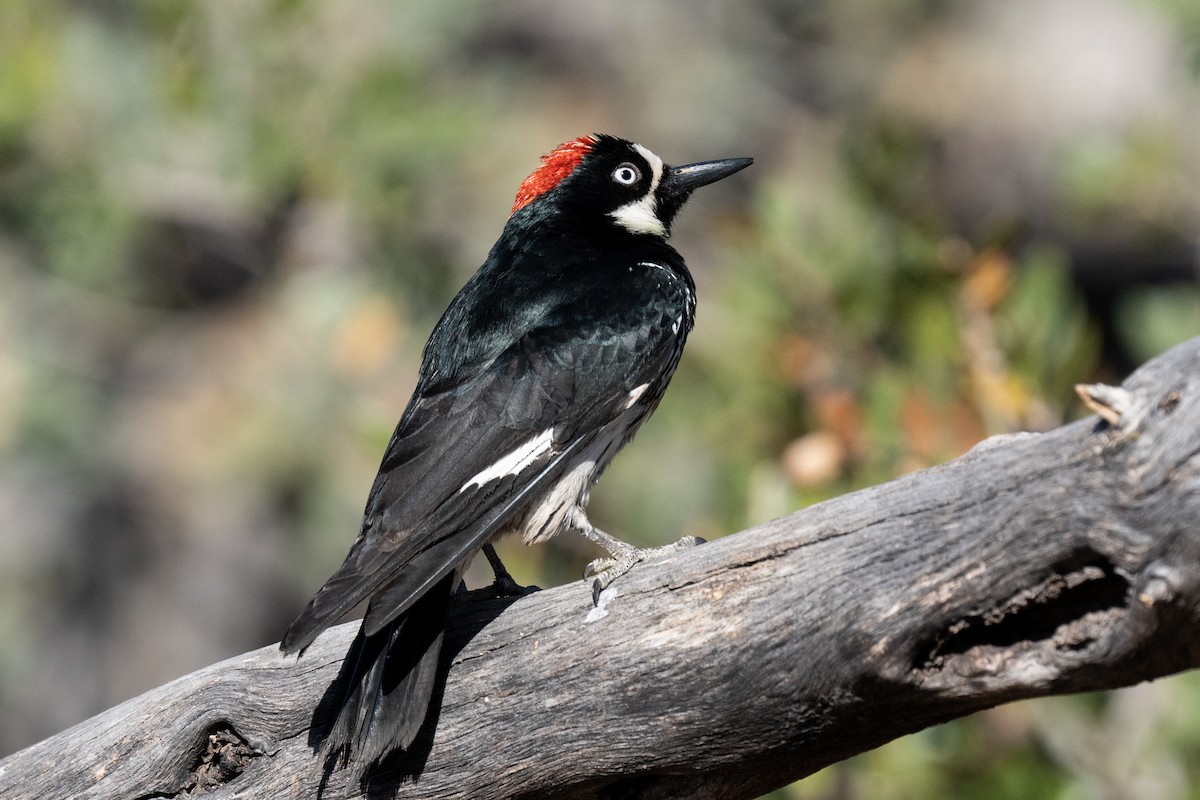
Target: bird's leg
(622,556)
(502,586)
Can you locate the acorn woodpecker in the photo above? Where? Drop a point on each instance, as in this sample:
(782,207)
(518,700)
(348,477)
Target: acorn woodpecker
(542,367)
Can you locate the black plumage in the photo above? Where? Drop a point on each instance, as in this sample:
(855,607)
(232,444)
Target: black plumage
(541,368)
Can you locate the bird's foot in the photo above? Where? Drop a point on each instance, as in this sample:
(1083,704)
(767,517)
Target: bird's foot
(501,587)
(621,559)
(505,586)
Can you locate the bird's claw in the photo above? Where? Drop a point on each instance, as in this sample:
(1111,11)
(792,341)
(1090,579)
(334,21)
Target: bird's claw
(503,586)
(606,570)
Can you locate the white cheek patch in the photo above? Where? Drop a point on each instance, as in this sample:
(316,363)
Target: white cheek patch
(641,215)
(515,462)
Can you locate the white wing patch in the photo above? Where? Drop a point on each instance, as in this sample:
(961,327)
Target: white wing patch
(641,215)
(515,462)
(653,265)
(635,394)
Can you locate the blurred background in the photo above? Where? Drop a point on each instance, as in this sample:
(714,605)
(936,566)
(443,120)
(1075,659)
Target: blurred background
(226,229)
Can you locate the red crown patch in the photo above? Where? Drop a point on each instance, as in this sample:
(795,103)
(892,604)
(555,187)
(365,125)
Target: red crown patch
(556,165)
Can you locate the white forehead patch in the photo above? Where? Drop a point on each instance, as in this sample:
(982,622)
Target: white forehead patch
(641,215)
(656,166)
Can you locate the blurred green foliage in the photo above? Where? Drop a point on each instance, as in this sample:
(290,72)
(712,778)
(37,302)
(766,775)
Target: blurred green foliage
(227,227)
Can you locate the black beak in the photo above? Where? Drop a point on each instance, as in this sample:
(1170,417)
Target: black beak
(679,182)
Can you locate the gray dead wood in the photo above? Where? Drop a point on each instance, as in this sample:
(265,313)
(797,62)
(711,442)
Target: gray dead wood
(1033,565)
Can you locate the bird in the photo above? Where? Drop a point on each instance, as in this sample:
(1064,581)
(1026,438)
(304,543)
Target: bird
(542,367)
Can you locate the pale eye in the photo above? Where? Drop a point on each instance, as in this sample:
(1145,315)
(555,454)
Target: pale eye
(627,175)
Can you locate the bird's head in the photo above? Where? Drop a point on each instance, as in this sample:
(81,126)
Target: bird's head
(603,178)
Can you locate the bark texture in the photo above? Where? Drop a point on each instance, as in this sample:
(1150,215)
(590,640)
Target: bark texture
(1035,564)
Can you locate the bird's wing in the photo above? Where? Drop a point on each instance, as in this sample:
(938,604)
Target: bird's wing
(462,461)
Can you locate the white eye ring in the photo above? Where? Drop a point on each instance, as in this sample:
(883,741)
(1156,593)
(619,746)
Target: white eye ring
(627,174)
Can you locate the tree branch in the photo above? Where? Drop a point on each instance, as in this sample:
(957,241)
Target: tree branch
(1033,565)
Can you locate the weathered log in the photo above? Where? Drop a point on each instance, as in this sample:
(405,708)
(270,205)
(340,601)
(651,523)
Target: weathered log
(1035,564)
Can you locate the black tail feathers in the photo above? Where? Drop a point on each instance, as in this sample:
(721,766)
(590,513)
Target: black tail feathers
(382,694)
